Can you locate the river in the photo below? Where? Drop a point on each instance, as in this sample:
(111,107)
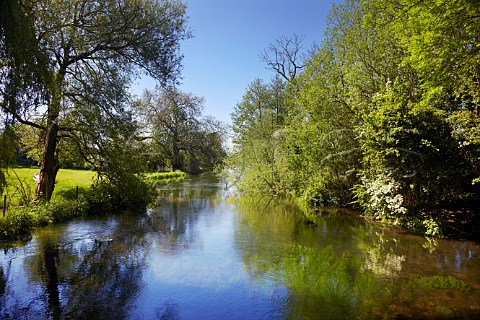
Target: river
(203,254)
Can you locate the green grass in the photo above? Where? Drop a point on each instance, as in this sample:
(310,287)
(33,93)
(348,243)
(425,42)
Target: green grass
(23,216)
(21,186)
(156,176)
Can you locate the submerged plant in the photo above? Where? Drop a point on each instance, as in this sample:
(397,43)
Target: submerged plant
(441,282)
(325,284)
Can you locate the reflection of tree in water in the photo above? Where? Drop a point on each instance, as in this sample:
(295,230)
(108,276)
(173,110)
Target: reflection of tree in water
(335,266)
(169,311)
(403,259)
(106,281)
(89,279)
(173,220)
(51,255)
(277,242)
(96,273)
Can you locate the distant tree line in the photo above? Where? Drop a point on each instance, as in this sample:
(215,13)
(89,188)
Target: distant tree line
(382,114)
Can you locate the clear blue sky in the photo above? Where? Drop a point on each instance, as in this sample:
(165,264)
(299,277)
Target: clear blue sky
(223,57)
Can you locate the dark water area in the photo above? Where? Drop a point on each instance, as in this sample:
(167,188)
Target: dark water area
(202,254)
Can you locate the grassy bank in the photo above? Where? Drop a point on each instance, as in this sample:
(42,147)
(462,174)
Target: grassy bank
(74,196)
(21,186)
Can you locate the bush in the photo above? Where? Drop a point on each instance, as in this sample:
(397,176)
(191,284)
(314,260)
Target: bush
(20,221)
(381,197)
(132,192)
(104,197)
(17,223)
(66,210)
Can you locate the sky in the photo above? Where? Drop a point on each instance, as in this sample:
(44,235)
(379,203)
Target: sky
(222,58)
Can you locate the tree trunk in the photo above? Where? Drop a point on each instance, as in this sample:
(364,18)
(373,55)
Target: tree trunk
(45,182)
(176,161)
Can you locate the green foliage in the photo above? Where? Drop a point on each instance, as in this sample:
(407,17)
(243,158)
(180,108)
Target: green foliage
(103,197)
(415,142)
(23,66)
(7,155)
(330,285)
(384,115)
(466,131)
(71,84)
(16,224)
(20,221)
(441,282)
(432,227)
(257,162)
(183,138)
(131,192)
(162,176)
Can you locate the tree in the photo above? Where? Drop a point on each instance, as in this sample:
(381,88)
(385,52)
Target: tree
(184,140)
(23,66)
(320,143)
(255,162)
(284,57)
(388,101)
(93,50)
(23,75)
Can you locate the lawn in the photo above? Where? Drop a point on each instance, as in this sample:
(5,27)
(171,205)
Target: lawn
(21,185)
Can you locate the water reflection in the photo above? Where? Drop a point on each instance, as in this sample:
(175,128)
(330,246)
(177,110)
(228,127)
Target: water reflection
(173,220)
(68,277)
(306,257)
(198,254)
(335,265)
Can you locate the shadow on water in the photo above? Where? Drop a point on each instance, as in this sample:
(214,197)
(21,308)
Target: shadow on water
(199,254)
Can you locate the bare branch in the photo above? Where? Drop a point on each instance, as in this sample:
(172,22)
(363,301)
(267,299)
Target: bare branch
(284,57)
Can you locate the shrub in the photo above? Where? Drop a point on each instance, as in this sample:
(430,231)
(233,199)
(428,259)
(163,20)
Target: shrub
(61,211)
(17,223)
(104,197)
(132,192)
(20,221)
(381,197)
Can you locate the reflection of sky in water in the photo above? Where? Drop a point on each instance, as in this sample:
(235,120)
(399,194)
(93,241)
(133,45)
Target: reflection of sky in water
(207,278)
(194,266)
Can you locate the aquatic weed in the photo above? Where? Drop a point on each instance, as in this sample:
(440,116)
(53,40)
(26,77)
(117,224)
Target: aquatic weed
(441,282)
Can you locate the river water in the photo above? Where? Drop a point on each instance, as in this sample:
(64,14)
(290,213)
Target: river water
(201,254)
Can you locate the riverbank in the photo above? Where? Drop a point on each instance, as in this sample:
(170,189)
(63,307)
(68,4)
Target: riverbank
(76,195)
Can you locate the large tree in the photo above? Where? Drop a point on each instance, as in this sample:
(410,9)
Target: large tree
(255,162)
(93,49)
(183,139)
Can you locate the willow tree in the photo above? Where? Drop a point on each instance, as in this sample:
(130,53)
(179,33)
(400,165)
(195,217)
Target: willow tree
(22,75)
(93,49)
